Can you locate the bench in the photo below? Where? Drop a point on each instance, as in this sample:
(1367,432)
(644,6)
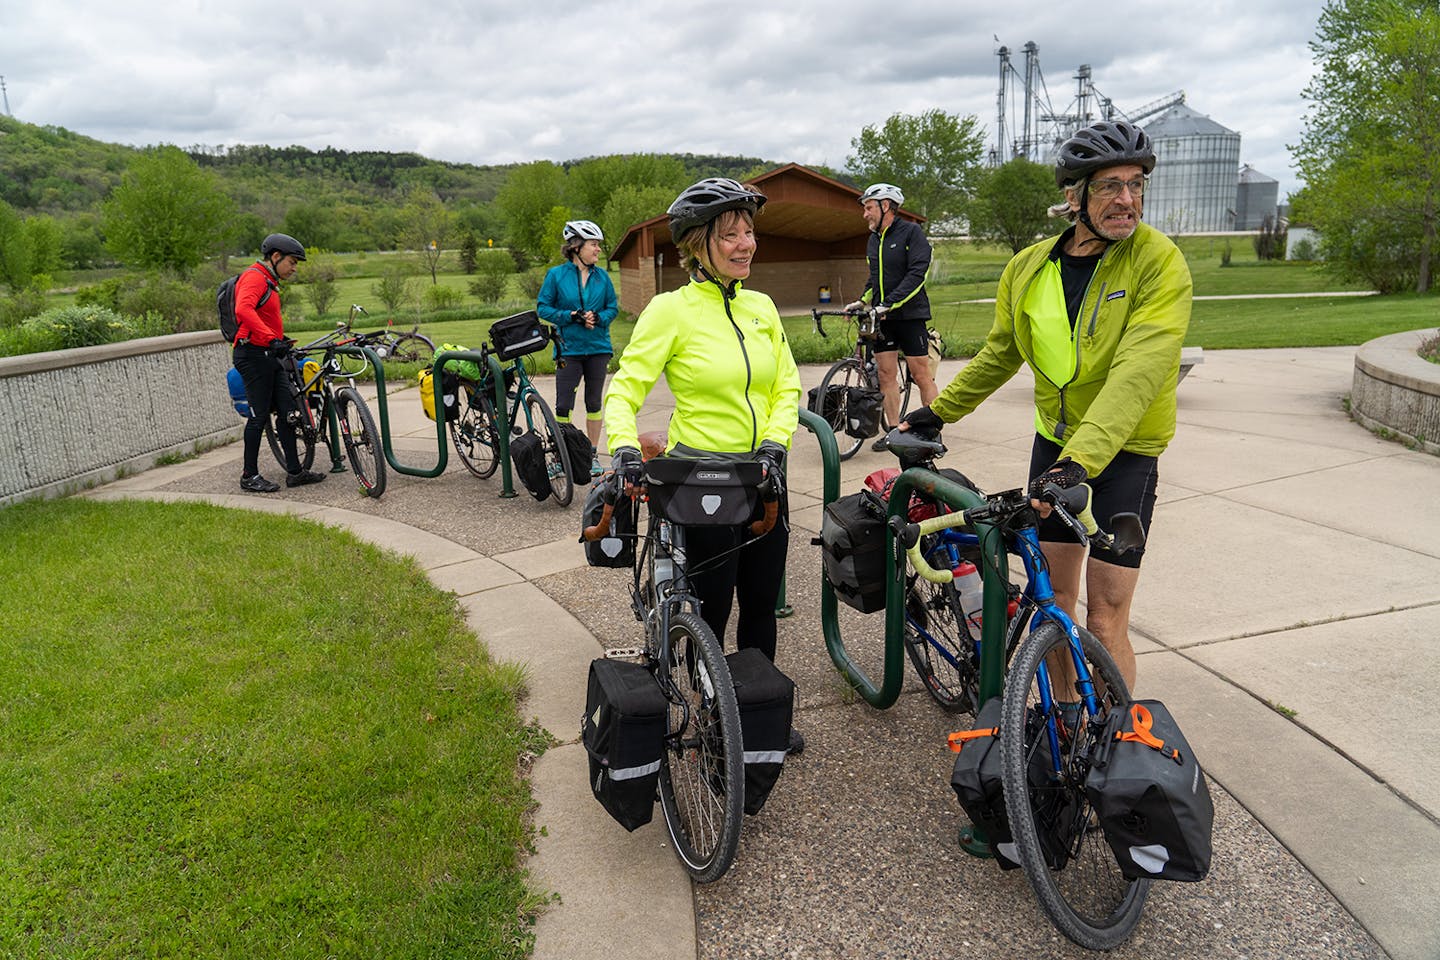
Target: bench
(1189,357)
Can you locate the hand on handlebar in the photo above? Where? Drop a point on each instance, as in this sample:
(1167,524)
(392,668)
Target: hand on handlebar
(855,306)
(772,455)
(1064,473)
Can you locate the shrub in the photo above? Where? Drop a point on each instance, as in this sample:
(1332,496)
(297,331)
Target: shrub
(1225,255)
(180,304)
(492,276)
(395,286)
(320,286)
(26,303)
(442,298)
(531,281)
(1304,249)
(64,328)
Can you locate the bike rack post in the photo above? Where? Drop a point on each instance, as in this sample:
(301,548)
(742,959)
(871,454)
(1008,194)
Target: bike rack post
(830,459)
(333,441)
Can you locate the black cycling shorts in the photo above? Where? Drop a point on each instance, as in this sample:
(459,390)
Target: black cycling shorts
(910,337)
(1127,485)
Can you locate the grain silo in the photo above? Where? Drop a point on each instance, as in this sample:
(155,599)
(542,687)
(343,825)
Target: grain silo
(1193,188)
(1258,197)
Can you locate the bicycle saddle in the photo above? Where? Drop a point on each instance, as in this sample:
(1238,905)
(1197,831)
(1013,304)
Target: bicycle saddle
(914,447)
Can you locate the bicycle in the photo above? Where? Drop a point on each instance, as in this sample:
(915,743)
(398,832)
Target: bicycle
(702,768)
(1046,752)
(477,437)
(311,384)
(856,373)
(407,346)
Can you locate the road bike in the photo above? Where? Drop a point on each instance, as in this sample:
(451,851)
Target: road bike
(475,432)
(1045,749)
(702,767)
(320,406)
(855,380)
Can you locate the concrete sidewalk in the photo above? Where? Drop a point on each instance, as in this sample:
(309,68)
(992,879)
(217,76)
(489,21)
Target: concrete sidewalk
(1287,613)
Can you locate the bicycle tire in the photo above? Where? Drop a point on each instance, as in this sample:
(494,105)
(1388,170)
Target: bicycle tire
(362,441)
(473,434)
(940,646)
(413,347)
(1086,897)
(847,373)
(304,443)
(702,771)
(557,457)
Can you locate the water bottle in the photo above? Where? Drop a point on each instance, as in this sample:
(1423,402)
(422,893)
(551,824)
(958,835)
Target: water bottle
(972,594)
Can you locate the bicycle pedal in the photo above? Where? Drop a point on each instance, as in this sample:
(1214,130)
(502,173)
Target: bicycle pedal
(624,653)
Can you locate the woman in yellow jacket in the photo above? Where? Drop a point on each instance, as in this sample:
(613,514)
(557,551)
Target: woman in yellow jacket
(725,358)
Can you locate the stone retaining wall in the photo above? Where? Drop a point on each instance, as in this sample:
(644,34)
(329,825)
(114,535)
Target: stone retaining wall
(70,419)
(1395,390)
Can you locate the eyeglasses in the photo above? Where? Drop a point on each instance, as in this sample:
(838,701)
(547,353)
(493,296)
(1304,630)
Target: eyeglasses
(1110,189)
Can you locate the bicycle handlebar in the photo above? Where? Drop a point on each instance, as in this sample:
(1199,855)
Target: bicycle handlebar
(610,493)
(867,313)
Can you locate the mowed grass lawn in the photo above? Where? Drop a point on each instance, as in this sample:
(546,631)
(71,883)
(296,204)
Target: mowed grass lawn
(233,734)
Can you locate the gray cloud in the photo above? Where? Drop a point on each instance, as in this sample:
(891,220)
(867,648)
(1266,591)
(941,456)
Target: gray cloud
(491,82)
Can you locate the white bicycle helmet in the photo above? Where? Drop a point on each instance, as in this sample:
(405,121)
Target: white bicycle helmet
(883,191)
(582,230)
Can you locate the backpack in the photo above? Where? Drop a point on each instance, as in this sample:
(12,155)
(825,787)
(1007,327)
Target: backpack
(581,450)
(527,453)
(225,305)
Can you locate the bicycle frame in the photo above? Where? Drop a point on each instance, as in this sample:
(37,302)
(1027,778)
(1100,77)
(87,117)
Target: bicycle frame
(664,540)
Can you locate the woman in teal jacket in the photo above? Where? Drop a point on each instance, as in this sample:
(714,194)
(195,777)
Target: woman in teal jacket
(579,299)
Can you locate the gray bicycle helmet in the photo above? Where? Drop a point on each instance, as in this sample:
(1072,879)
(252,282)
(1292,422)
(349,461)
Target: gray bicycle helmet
(702,202)
(282,243)
(1104,144)
(582,230)
(883,191)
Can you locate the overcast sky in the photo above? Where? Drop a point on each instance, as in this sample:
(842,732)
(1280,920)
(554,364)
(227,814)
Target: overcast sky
(487,82)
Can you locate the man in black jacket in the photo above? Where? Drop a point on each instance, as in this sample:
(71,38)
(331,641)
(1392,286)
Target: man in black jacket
(899,258)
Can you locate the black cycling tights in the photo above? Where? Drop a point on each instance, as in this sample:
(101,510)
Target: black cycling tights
(567,378)
(752,574)
(265,390)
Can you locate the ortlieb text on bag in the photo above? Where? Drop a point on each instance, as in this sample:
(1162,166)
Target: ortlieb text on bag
(767,704)
(703,493)
(624,735)
(1150,795)
(527,455)
(852,549)
(617,549)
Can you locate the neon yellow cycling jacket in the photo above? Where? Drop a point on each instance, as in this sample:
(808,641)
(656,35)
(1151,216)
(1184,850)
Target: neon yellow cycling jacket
(1115,387)
(735,383)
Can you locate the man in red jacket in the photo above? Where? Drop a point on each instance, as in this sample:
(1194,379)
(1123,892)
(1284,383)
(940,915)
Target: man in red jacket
(260,345)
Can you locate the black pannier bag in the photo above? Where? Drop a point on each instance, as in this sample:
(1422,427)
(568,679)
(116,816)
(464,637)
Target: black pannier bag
(581,451)
(616,549)
(852,549)
(979,785)
(450,394)
(833,400)
(767,705)
(519,334)
(527,455)
(624,734)
(1150,795)
(703,493)
(862,412)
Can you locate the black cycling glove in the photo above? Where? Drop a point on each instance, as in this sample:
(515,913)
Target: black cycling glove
(627,464)
(924,420)
(1064,474)
(772,455)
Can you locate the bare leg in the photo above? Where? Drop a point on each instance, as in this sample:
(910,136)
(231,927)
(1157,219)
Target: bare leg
(1108,592)
(920,373)
(887,365)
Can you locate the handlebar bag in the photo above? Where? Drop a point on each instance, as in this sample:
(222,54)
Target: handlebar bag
(617,549)
(1150,795)
(767,706)
(518,335)
(527,455)
(852,549)
(704,493)
(624,735)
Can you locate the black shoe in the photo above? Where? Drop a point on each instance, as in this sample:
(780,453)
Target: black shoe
(258,484)
(302,478)
(797,743)
(880,446)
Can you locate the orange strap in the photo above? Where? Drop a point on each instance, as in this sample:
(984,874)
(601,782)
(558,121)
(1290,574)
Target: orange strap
(1142,720)
(958,739)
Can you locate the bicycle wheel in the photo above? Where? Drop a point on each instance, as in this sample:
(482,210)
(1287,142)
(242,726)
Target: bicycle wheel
(474,435)
(702,771)
(305,437)
(845,373)
(941,649)
(1057,836)
(413,347)
(362,440)
(557,458)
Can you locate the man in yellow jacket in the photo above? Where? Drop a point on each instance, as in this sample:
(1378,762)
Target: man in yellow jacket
(1099,313)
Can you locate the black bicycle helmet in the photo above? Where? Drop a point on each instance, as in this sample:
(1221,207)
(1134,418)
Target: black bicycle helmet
(1104,144)
(282,243)
(702,202)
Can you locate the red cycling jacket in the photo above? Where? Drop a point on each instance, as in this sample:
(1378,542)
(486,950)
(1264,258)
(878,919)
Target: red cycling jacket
(257,322)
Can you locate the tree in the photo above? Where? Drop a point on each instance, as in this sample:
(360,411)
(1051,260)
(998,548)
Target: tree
(167,213)
(932,157)
(630,205)
(425,226)
(531,191)
(1012,202)
(320,275)
(29,250)
(1369,152)
(469,250)
(591,184)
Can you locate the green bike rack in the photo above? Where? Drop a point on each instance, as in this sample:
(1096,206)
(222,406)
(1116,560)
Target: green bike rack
(502,422)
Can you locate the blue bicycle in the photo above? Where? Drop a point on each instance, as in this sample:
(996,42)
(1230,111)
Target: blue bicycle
(1060,686)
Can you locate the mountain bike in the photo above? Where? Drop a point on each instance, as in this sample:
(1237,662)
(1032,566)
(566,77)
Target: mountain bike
(476,435)
(390,345)
(852,379)
(310,374)
(1046,750)
(702,768)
